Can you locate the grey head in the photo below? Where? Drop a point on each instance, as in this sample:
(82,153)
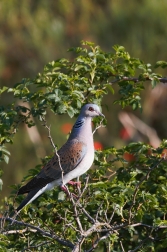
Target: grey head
(90,110)
(83,122)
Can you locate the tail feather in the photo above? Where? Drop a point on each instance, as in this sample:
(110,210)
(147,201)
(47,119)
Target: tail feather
(30,197)
(27,200)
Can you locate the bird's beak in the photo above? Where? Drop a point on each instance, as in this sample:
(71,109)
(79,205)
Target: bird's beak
(100,114)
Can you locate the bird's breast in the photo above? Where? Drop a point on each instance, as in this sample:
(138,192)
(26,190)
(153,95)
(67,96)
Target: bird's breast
(82,167)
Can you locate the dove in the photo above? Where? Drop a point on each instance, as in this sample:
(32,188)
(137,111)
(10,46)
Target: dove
(72,160)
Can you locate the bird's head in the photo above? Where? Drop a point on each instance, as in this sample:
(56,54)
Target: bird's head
(91,110)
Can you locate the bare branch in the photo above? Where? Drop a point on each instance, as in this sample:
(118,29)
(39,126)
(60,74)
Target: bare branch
(55,148)
(97,214)
(122,246)
(104,237)
(118,227)
(99,126)
(136,79)
(19,231)
(94,228)
(77,247)
(86,213)
(76,214)
(140,245)
(112,214)
(148,226)
(41,231)
(84,189)
(105,215)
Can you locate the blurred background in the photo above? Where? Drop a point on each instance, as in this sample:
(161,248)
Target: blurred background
(32,33)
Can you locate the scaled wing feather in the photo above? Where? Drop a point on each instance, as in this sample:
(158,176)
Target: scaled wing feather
(69,156)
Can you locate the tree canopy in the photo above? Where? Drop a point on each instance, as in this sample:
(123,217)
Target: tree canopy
(121,204)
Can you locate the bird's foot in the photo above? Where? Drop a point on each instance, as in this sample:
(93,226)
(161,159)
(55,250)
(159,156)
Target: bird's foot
(64,188)
(73,183)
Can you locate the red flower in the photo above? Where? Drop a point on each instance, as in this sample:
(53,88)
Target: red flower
(66,128)
(98,146)
(164,153)
(128,157)
(124,134)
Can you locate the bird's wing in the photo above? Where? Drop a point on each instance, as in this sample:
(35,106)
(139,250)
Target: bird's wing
(69,156)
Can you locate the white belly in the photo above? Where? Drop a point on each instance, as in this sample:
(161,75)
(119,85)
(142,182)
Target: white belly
(82,168)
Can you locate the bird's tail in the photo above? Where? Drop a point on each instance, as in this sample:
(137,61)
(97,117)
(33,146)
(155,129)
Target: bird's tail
(30,197)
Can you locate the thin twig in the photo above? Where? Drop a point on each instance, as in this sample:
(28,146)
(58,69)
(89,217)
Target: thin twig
(105,214)
(86,213)
(84,189)
(19,231)
(122,246)
(77,215)
(99,126)
(112,214)
(69,224)
(104,237)
(140,245)
(97,214)
(55,148)
(118,227)
(77,247)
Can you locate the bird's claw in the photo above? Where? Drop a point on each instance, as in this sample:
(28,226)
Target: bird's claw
(64,188)
(73,183)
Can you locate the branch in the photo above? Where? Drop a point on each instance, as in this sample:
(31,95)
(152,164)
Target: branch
(117,227)
(94,228)
(148,226)
(19,231)
(140,245)
(84,189)
(122,246)
(69,224)
(135,79)
(76,214)
(108,232)
(41,231)
(104,237)
(55,148)
(99,126)
(86,213)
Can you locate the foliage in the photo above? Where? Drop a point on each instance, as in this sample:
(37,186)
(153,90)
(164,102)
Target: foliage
(121,205)
(36,32)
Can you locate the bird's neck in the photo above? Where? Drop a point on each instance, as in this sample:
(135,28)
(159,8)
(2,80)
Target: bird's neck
(82,128)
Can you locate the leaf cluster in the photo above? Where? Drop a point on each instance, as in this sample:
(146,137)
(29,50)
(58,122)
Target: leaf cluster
(123,204)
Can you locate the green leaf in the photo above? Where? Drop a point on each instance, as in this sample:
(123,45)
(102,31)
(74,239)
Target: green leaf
(70,111)
(1,184)
(161,63)
(6,158)
(61,196)
(3,89)
(110,88)
(52,96)
(153,83)
(3,149)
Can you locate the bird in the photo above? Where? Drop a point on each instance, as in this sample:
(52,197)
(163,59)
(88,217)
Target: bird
(72,160)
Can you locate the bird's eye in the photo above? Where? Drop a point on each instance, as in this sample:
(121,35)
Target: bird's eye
(91,109)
